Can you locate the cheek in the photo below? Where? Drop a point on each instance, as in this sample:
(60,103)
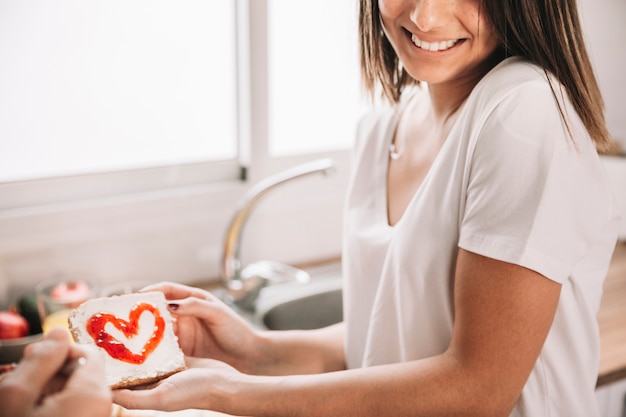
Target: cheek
(484,31)
(389,8)
(488,38)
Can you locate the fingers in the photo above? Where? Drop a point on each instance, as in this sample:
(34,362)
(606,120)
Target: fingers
(90,374)
(134,399)
(173,291)
(183,390)
(43,360)
(22,388)
(212,311)
(85,391)
(176,392)
(189,301)
(153,398)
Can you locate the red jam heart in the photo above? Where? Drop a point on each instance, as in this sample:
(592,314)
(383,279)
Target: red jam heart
(130,328)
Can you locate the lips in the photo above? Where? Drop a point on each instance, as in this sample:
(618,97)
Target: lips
(434,46)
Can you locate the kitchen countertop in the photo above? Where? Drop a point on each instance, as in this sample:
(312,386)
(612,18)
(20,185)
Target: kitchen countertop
(612,320)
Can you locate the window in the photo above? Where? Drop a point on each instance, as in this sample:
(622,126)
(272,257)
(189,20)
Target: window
(194,91)
(113,85)
(313,76)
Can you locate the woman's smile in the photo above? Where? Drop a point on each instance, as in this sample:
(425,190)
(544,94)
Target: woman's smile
(433,46)
(440,42)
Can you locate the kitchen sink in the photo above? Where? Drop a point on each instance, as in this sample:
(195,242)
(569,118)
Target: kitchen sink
(293,305)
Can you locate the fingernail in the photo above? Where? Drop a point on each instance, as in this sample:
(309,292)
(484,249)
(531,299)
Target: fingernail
(173,306)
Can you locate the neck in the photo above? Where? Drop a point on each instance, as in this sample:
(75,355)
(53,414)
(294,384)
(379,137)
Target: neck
(446,98)
(445,102)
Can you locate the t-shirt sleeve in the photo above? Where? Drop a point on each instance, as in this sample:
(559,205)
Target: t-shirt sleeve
(529,198)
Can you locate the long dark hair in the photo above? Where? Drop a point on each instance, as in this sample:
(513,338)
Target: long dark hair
(545,32)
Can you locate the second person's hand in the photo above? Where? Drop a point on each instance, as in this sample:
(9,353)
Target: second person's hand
(40,385)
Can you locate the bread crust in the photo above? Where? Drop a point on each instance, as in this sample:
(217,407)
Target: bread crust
(74,331)
(134,382)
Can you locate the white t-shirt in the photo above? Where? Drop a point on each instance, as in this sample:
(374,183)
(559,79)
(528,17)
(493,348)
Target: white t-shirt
(509,183)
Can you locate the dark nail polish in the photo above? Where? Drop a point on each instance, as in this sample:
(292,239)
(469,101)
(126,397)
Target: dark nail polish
(173,306)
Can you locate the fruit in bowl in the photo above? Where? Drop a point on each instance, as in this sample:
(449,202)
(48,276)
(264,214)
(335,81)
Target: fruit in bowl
(15,336)
(12,325)
(19,327)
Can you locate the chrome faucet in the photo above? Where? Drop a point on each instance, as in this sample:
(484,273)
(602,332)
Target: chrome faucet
(244,285)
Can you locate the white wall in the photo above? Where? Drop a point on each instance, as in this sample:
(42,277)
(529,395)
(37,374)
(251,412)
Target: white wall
(605,31)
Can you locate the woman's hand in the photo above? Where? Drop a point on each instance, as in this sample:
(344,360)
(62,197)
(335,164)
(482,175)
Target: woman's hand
(208,328)
(200,386)
(39,386)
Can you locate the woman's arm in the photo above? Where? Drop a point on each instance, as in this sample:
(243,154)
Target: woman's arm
(301,351)
(503,313)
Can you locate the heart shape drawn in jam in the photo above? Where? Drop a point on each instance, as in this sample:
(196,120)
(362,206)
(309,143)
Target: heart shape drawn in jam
(115,348)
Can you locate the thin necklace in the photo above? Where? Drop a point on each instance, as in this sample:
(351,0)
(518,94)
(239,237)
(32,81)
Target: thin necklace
(397,153)
(393,154)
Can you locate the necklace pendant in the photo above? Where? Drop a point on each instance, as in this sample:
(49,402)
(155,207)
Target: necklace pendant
(392,152)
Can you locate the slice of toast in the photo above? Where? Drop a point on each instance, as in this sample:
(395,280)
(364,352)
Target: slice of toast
(134,335)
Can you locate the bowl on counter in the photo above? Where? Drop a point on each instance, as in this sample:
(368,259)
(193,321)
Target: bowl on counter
(11,350)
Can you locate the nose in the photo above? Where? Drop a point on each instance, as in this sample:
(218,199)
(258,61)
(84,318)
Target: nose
(428,14)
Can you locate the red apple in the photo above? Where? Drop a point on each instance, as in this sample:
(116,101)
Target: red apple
(12,325)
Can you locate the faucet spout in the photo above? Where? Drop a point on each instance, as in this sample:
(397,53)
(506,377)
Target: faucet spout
(243,285)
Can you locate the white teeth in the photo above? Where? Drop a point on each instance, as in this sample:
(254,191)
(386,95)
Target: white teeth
(433,46)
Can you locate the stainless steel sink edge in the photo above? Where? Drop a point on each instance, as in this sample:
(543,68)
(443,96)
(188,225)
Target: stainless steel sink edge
(276,295)
(326,280)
